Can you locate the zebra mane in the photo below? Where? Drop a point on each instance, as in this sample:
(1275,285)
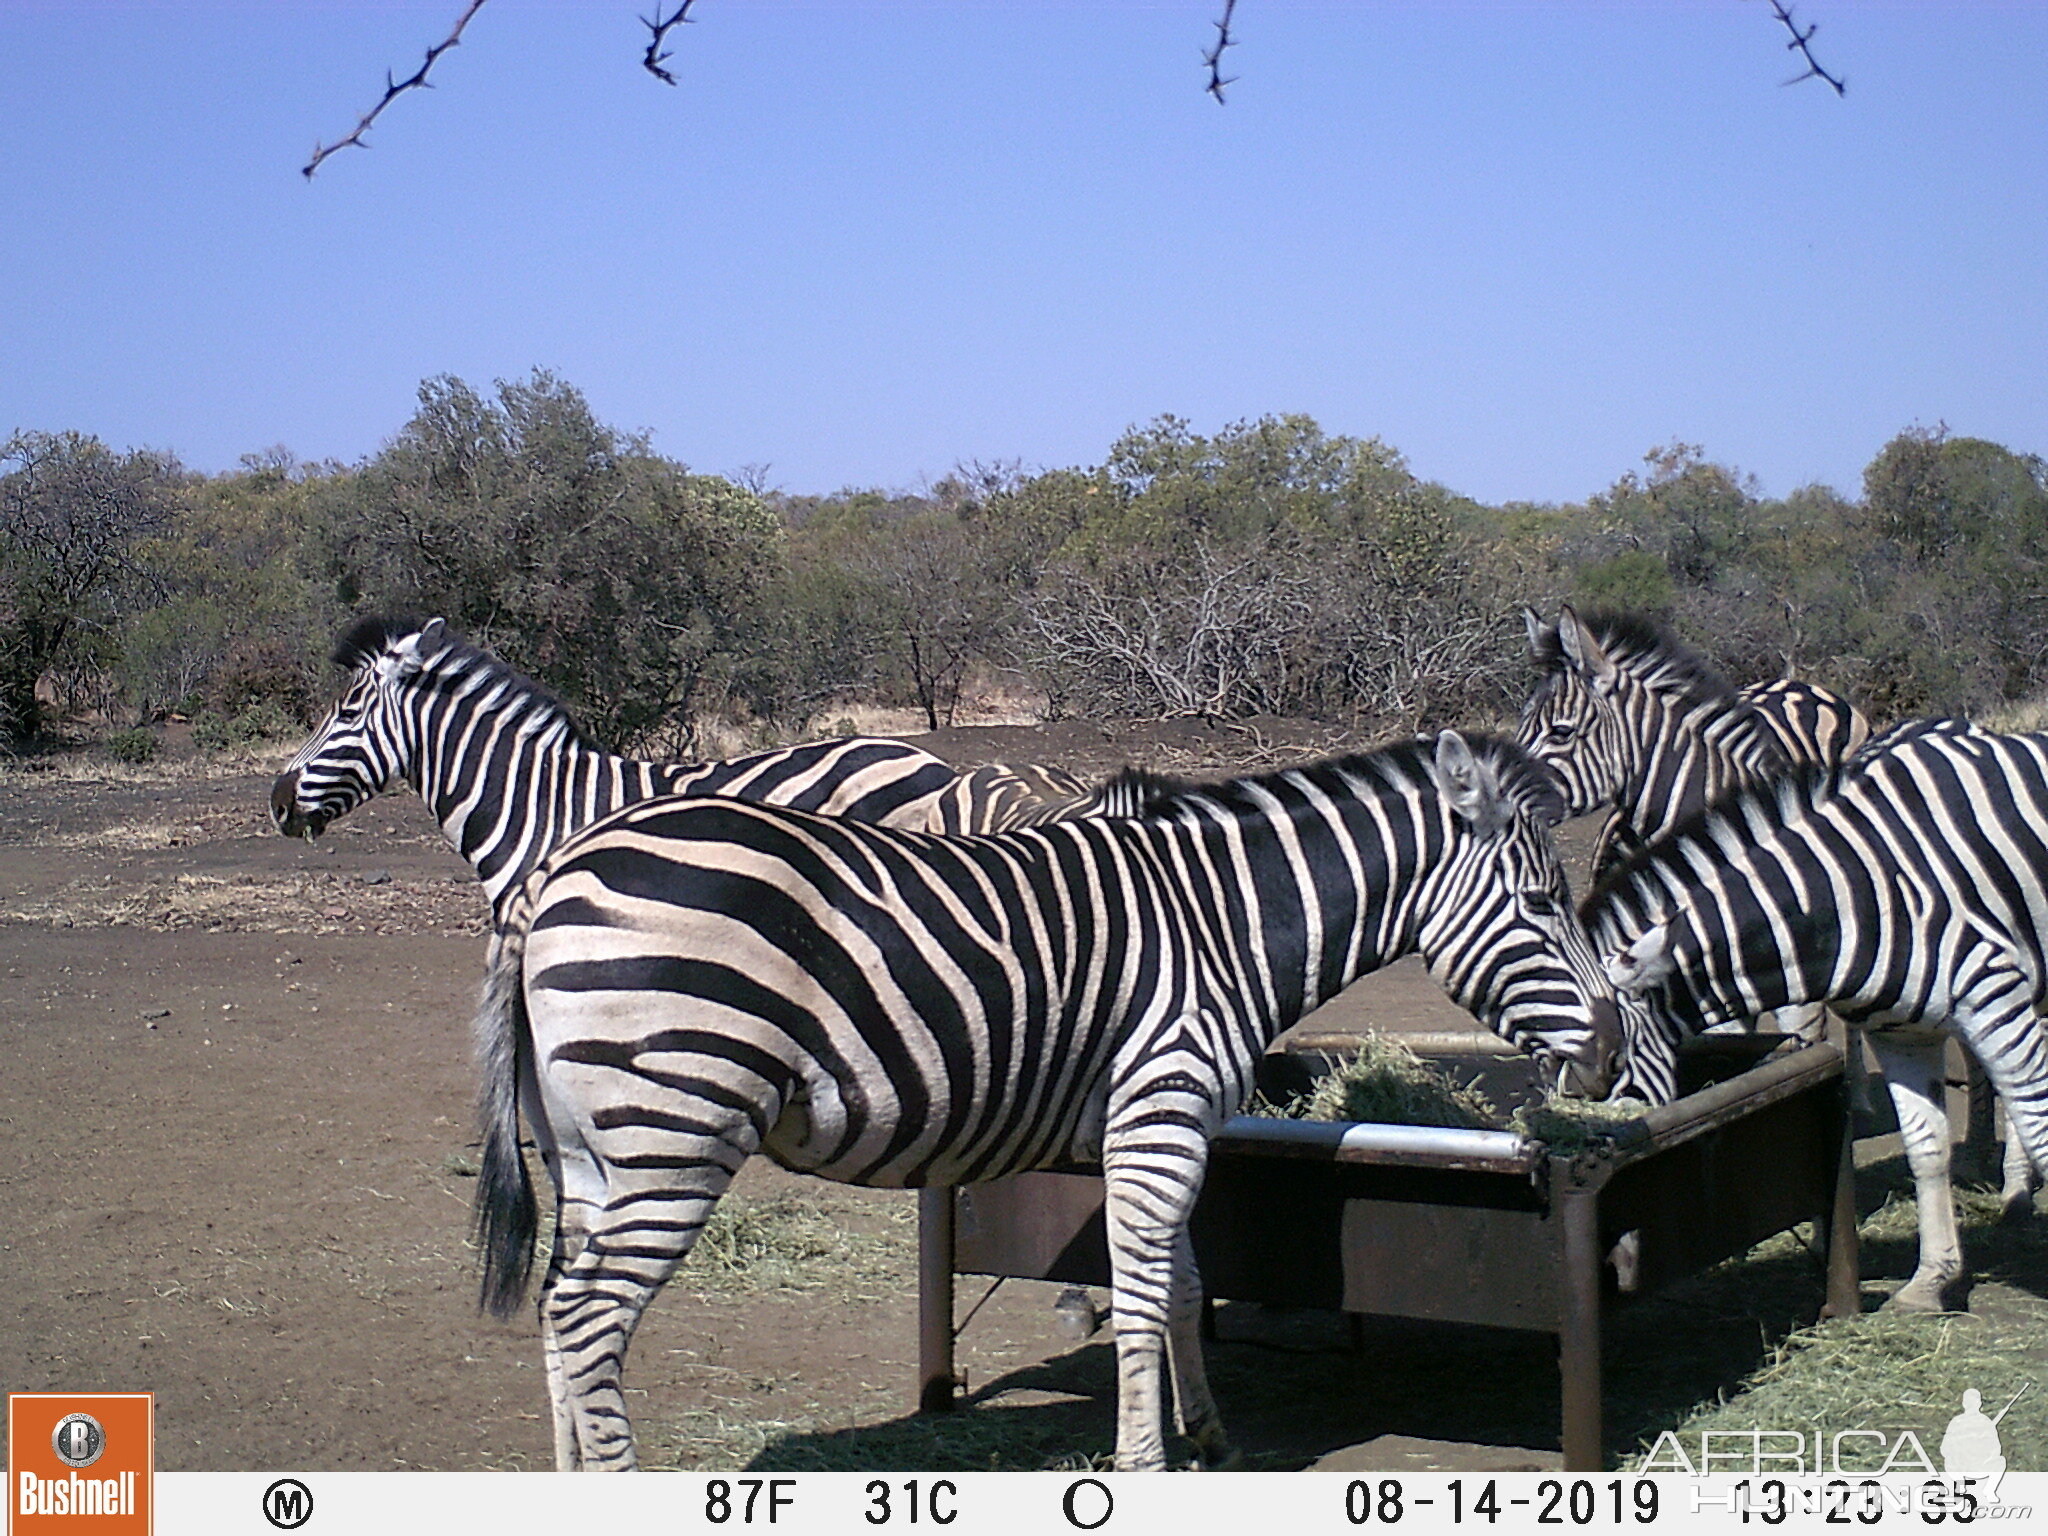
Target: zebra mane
(371,635)
(1532,788)
(1737,818)
(1646,649)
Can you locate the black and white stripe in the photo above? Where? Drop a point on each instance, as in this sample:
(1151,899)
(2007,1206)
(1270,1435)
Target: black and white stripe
(691,981)
(508,774)
(1813,724)
(1003,796)
(1634,721)
(1908,892)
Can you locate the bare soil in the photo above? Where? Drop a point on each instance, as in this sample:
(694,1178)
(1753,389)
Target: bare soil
(236,1159)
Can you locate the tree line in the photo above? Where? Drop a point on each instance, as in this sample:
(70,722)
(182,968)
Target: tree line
(1269,569)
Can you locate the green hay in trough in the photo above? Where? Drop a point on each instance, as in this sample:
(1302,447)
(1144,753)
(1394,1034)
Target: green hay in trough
(1574,1125)
(1388,1084)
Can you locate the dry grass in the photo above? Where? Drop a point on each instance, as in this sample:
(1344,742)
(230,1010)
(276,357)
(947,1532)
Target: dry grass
(88,768)
(1571,1125)
(316,903)
(1386,1083)
(2018,718)
(792,1242)
(1894,1371)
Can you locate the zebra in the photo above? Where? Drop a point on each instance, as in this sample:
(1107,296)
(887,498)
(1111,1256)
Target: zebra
(1907,890)
(1633,720)
(1002,796)
(690,981)
(508,774)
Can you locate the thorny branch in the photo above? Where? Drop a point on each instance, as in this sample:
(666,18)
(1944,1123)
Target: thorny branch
(1800,41)
(652,59)
(392,89)
(659,27)
(1214,57)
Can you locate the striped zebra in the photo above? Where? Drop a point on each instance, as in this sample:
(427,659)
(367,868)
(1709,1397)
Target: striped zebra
(1632,720)
(1908,891)
(508,774)
(692,981)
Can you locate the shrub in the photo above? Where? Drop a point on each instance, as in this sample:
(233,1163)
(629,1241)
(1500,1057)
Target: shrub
(136,746)
(266,721)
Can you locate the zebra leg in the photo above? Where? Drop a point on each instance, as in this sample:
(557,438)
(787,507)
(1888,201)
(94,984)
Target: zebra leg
(2017,1196)
(631,1242)
(2007,1037)
(1150,1182)
(1194,1409)
(1916,1076)
(578,1189)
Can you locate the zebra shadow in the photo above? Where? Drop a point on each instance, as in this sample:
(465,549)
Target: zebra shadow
(1298,1385)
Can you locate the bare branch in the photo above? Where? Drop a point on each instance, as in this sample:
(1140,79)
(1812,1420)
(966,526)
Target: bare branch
(1800,41)
(1214,57)
(392,88)
(653,58)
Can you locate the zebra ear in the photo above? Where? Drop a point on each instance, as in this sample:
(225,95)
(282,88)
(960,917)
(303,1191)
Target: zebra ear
(1584,652)
(1469,785)
(1646,964)
(1542,637)
(409,656)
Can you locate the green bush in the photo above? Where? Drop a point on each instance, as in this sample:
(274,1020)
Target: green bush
(267,721)
(136,746)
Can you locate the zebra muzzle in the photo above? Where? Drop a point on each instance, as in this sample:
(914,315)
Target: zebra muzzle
(285,811)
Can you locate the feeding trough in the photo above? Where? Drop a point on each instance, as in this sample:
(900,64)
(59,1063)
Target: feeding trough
(1458,1226)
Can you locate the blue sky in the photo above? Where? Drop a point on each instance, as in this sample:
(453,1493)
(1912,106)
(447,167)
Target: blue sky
(861,241)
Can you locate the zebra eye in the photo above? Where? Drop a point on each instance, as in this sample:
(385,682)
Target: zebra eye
(1539,903)
(1563,730)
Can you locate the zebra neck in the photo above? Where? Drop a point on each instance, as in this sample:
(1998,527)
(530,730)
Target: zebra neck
(1295,936)
(506,800)
(1772,927)
(1698,756)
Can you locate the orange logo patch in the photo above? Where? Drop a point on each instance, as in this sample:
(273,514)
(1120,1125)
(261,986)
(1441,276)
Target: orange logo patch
(80,1462)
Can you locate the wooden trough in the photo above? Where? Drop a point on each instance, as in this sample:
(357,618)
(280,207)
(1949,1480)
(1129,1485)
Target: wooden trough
(1453,1226)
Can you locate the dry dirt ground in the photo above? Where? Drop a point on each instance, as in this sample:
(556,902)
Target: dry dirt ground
(236,1160)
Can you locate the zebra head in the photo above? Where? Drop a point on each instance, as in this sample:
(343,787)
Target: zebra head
(1499,932)
(1574,722)
(360,749)
(1653,1025)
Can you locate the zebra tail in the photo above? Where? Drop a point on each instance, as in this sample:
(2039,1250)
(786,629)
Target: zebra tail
(505,1215)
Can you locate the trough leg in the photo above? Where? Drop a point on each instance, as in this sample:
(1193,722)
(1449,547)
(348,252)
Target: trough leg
(1578,1336)
(1836,1227)
(936,1383)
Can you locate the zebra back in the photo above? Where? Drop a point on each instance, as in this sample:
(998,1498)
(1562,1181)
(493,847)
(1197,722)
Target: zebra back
(508,774)
(1001,796)
(1813,724)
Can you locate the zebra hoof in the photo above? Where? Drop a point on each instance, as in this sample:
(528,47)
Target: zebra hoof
(1921,1296)
(2017,1207)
